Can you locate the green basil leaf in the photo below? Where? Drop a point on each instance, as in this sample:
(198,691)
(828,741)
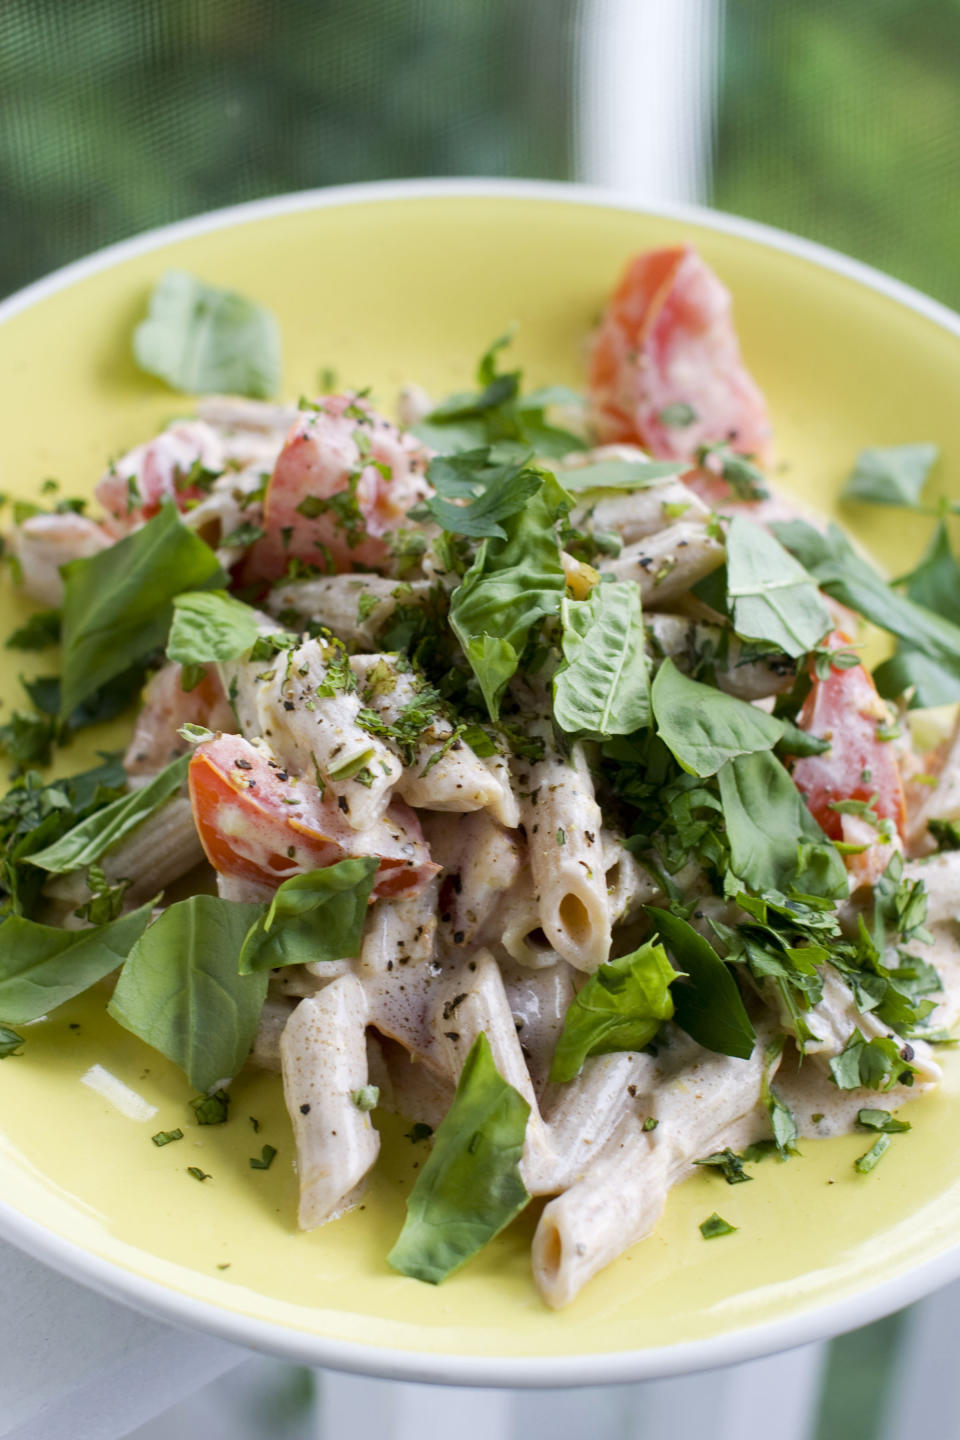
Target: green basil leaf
(203,340)
(316,916)
(775,843)
(771,597)
(180,990)
(603,686)
(620,1007)
(210,625)
(892,475)
(702,727)
(715,1225)
(93,837)
(729,1163)
(796,742)
(470,1186)
(935,584)
(41,966)
(707,1003)
(37,633)
(495,491)
(620,474)
(10,1042)
(873,1156)
(846,576)
(118,603)
(509,588)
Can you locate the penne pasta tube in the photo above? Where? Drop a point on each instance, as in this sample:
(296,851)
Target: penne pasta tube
(323,1053)
(265,1052)
(304,702)
(354,607)
(480,862)
(667,564)
(473,1001)
(692,644)
(620,1197)
(639,513)
(563,822)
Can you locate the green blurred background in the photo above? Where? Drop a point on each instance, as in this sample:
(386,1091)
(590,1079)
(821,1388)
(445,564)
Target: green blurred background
(837,119)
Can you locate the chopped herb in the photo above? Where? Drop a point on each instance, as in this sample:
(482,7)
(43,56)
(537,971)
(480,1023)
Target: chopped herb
(211,1109)
(255,1123)
(197,1173)
(38,633)
(871,1159)
(245,534)
(166,1137)
(714,1226)
(677,416)
(366,604)
(882,1120)
(367,1097)
(266,1158)
(729,1164)
(650,1123)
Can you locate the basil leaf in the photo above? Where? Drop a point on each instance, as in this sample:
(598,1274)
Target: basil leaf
(702,727)
(93,837)
(203,340)
(797,743)
(603,686)
(892,475)
(119,602)
(10,1042)
(873,1156)
(935,584)
(730,1165)
(869,1064)
(707,1003)
(620,474)
(846,576)
(495,491)
(620,1007)
(509,588)
(775,843)
(771,597)
(715,1225)
(107,701)
(782,1122)
(210,625)
(316,916)
(470,1186)
(41,966)
(180,991)
(37,633)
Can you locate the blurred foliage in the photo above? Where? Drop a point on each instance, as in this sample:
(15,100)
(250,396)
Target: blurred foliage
(840,120)
(117,115)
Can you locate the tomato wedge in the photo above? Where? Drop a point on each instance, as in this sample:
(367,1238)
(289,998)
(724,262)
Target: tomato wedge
(344,479)
(258,822)
(666,345)
(846,710)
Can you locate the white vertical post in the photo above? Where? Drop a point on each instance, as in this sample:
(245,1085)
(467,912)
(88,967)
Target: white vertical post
(647,96)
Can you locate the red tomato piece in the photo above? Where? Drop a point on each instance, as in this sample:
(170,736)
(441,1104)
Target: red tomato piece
(344,479)
(846,710)
(667,339)
(257,822)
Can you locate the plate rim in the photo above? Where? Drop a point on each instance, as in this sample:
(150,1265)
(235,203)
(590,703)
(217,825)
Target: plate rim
(158,1300)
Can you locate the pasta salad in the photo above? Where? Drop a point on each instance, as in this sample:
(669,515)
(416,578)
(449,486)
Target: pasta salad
(530,739)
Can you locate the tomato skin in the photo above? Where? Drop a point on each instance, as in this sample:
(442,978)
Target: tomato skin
(258,823)
(667,338)
(846,709)
(343,481)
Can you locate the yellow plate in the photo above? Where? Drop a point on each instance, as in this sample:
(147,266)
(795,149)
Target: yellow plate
(388,283)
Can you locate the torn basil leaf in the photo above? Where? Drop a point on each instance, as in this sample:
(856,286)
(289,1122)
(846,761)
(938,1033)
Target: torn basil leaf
(934,584)
(470,1186)
(891,475)
(620,1007)
(873,1156)
(728,1163)
(882,1120)
(707,1003)
(204,340)
(775,843)
(714,1226)
(772,597)
(41,966)
(119,603)
(702,727)
(603,686)
(10,1042)
(38,633)
(317,916)
(180,990)
(93,837)
(510,587)
(210,625)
